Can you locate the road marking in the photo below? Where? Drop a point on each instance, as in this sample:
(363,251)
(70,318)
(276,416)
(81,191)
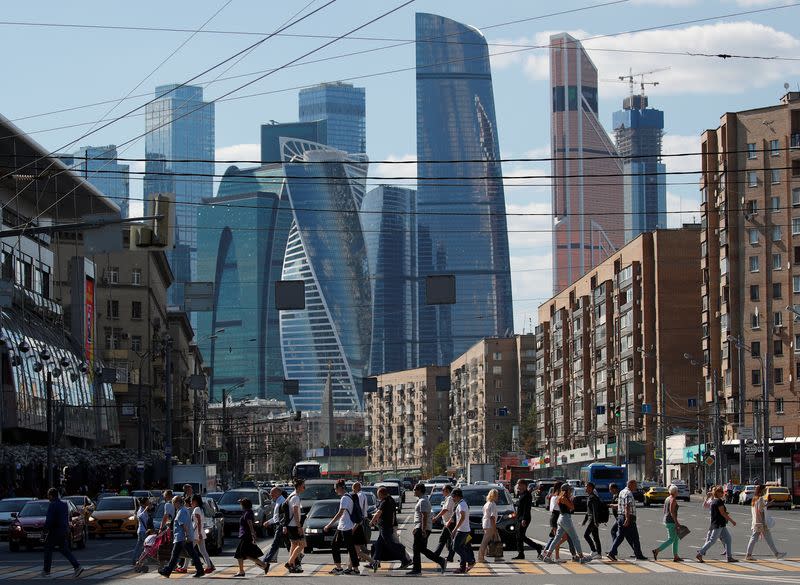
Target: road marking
(554,569)
(109,573)
(681,567)
(761,566)
(606,568)
(630,568)
(580,569)
(527,568)
(56,574)
(724,565)
(655,567)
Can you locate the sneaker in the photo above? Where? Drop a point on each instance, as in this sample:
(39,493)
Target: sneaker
(266,568)
(732,560)
(44,574)
(405,564)
(677,560)
(413,572)
(443,566)
(518,558)
(163,573)
(181,570)
(460,571)
(210,569)
(749,559)
(78,572)
(596,555)
(779,556)
(641,558)
(336,571)
(351,571)
(655,554)
(612,558)
(469,567)
(585,560)
(547,559)
(199,574)
(699,558)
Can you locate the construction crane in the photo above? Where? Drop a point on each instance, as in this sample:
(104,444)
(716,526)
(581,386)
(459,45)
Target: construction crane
(630,79)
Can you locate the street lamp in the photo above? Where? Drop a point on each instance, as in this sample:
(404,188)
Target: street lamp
(715,427)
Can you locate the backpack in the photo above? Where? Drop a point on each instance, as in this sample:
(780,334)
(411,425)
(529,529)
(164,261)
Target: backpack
(285,513)
(602,514)
(356,515)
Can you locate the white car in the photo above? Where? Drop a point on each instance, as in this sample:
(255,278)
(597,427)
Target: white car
(747,495)
(394,491)
(683,490)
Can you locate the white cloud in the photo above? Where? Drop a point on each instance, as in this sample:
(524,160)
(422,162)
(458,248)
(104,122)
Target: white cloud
(239,152)
(682,209)
(687,74)
(532,285)
(407,172)
(679,144)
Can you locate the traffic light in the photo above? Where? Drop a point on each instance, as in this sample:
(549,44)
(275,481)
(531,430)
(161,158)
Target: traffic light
(160,233)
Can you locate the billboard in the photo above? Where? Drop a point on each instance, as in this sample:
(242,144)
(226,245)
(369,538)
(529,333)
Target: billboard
(88,333)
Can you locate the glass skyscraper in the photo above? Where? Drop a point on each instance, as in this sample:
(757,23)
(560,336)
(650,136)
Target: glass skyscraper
(387,215)
(326,249)
(344,109)
(461,205)
(241,241)
(99,166)
(180,127)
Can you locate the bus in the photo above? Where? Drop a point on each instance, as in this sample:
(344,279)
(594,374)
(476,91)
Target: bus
(306,470)
(603,474)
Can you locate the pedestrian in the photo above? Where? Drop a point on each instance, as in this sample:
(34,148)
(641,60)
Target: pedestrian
(387,546)
(566,529)
(423,525)
(279,521)
(142,521)
(182,540)
(461,542)
(247,547)
(613,489)
(199,519)
(626,524)
(761,525)
(596,514)
(718,528)
(447,516)
(522,518)
(488,523)
(672,525)
(56,525)
(360,529)
(294,529)
(169,510)
(344,533)
(551,501)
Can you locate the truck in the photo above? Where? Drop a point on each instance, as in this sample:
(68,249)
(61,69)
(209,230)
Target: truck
(202,478)
(481,472)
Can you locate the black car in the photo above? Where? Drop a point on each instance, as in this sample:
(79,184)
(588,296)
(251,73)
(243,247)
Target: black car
(320,514)
(316,489)
(580,498)
(543,487)
(475,496)
(232,510)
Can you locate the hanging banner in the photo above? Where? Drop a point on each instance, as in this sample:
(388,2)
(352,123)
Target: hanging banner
(89,324)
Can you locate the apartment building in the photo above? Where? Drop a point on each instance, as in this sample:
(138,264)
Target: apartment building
(750,259)
(610,363)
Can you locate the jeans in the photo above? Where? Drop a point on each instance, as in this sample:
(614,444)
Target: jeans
(522,539)
(718,533)
(388,548)
(420,548)
(139,548)
(592,536)
(277,543)
(63,546)
(554,516)
(614,529)
(344,537)
(565,527)
(629,533)
(765,533)
(445,540)
(463,549)
(672,539)
(203,552)
(177,549)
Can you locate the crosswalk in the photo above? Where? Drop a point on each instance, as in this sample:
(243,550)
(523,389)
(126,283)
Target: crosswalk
(768,568)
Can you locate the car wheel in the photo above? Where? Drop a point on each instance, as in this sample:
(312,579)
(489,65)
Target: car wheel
(13,546)
(82,542)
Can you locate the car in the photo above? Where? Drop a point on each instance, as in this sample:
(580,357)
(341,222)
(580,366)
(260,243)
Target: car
(114,515)
(83,503)
(778,497)
(746,495)
(372,505)
(316,489)
(737,490)
(9,508)
(441,479)
(475,496)
(641,488)
(655,495)
(214,526)
(395,491)
(105,494)
(580,498)
(28,526)
(399,483)
(436,500)
(683,490)
(232,510)
(575,482)
(214,495)
(320,513)
(543,487)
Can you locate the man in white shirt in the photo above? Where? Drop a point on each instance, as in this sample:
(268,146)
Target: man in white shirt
(462,533)
(423,525)
(446,515)
(277,498)
(344,533)
(294,528)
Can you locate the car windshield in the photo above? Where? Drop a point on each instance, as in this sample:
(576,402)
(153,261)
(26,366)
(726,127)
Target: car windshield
(32,509)
(230,498)
(12,505)
(436,499)
(324,510)
(215,495)
(778,490)
(115,504)
(477,497)
(318,491)
(77,500)
(392,488)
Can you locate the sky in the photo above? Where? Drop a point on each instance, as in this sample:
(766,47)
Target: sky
(57,67)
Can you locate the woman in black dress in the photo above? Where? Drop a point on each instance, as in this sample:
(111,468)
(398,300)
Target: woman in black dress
(247,549)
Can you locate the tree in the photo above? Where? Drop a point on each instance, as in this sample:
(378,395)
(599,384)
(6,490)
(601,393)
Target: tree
(354,442)
(441,458)
(527,431)
(285,452)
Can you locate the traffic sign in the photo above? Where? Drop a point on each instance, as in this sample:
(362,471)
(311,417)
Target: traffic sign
(710,460)
(140,465)
(750,449)
(223,456)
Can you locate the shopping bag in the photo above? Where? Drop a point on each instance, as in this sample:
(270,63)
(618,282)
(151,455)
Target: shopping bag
(495,549)
(682,531)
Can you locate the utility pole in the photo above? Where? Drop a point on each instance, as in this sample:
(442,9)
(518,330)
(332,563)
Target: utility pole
(49,385)
(663,421)
(168,401)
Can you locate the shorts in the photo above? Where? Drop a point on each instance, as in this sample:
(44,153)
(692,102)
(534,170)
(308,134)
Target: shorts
(359,535)
(295,533)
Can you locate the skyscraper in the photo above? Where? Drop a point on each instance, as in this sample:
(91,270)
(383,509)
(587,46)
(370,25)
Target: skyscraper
(461,225)
(99,166)
(343,107)
(326,249)
(638,131)
(587,199)
(180,127)
(316,131)
(241,244)
(387,214)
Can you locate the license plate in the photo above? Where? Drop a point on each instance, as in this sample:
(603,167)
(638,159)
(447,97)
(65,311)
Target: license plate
(34,536)
(478,532)
(328,538)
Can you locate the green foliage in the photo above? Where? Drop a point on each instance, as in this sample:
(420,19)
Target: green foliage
(527,431)
(284,453)
(441,458)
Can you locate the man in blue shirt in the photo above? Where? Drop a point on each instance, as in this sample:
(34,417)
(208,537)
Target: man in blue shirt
(279,521)
(182,540)
(57,526)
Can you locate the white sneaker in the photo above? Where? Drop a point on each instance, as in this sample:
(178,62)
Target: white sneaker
(596,555)
(780,555)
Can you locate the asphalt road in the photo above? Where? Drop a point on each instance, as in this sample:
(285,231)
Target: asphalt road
(107,560)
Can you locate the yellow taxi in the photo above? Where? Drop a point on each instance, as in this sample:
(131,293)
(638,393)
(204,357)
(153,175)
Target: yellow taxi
(778,497)
(655,495)
(114,515)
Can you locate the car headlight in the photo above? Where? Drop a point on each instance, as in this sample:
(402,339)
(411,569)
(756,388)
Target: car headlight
(208,530)
(91,518)
(313,530)
(131,518)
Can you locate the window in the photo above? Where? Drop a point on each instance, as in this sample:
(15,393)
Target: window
(776,262)
(779,375)
(779,405)
(755,322)
(776,290)
(776,233)
(753,233)
(795,226)
(777,319)
(754,296)
(796,284)
(774,147)
(777,347)
(136,276)
(775,202)
(755,349)
(112,275)
(136,343)
(136,310)
(796,313)
(113,336)
(755,377)
(751,150)
(796,196)
(752,179)
(112,309)
(775,177)
(498,382)
(498,398)
(497,356)
(497,370)
(797,343)
(752,207)
(754,263)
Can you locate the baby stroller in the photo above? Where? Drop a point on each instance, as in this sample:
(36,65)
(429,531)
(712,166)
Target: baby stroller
(156,546)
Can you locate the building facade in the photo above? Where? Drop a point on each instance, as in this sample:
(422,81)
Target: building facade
(484,401)
(99,166)
(179,153)
(587,199)
(751,279)
(405,420)
(343,108)
(271,134)
(456,122)
(389,220)
(638,130)
(612,379)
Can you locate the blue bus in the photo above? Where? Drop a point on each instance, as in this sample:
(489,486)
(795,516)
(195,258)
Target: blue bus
(603,474)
